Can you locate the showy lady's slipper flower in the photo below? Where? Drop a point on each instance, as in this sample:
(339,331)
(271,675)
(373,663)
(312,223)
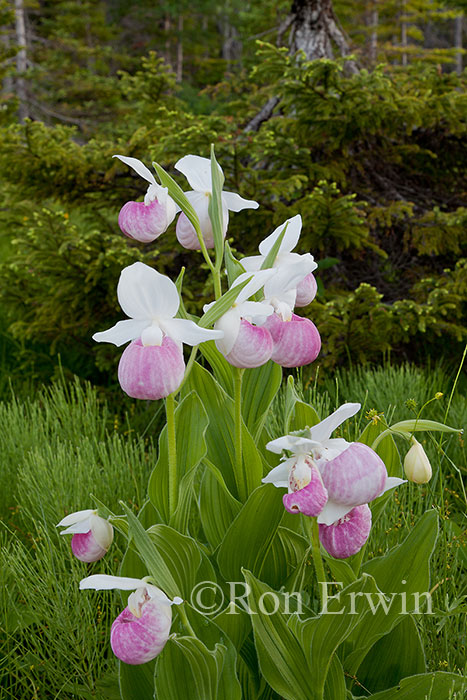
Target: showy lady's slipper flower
(330,478)
(140,632)
(417,466)
(152,366)
(197,171)
(296,340)
(145,221)
(244,344)
(92,535)
(306,287)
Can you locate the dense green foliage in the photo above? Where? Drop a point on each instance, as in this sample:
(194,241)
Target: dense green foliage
(373,161)
(66,444)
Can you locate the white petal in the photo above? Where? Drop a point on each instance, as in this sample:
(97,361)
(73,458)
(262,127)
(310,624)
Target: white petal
(290,239)
(253,309)
(234,202)
(333,512)
(184,331)
(104,582)
(252,263)
(279,476)
(73,518)
(152,335)
(293,443)
(144,293)
(81,527)
(122,332)
(229,324)
(392,482)
(288,276)
(322,431)
(139,167)
(197,171)
(257,281)
(200,203)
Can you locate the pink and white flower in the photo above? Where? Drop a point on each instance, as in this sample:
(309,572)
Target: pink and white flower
(152,366)
(145,221)
(330,478)
(244,344)
(92,535)
(306,287)
(142,629)
(197,171)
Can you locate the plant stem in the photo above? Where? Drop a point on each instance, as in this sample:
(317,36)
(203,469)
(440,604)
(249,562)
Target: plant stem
(315,547)
(217,283)
(172,452)
(241,486)
(184,619)
(190,363)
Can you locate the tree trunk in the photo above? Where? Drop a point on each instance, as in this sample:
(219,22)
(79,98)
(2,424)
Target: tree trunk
(458,42)
(21,61)
(180,49)
(404,35)
(315,29)
(374,18)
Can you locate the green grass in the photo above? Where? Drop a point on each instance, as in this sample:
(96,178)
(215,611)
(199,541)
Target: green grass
(65,444)
(57,450)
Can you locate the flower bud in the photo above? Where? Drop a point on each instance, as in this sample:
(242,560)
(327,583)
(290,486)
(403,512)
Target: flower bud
(92,535)
(417,466)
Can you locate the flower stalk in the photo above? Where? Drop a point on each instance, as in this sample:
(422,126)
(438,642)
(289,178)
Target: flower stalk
(241,486)
(172,452)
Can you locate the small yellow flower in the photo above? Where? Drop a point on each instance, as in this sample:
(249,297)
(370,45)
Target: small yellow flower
(439,395)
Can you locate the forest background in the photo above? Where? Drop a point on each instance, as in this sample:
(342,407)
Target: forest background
(363,133)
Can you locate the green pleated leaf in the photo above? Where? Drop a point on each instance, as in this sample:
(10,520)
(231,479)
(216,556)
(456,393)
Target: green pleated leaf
(210,633)
(335,688)
(180,554)
(400,574)
(241,479)
(217,506)
(395,656)
(287,552)
(298,414)
(272,255)
(321,635)
(136,682)
(281,657)
(259,387)
(414,425)
(223,371)
(132,565)
(432,686)
(340,569)
(190,420)
(155,563)
(249,538)
(215,208)
(187,668)
(222,305)
(233,267)
(386,449)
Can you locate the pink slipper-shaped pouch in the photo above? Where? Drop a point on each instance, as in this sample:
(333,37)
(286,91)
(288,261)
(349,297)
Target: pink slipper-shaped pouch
(252,348)
(306,290)
(151,371)
(348,535)
(143,222)
(296,342)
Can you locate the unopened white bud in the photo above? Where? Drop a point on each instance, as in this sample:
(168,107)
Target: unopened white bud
(417,466)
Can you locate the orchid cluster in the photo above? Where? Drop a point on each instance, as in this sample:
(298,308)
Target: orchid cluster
(329,481)
(333,480)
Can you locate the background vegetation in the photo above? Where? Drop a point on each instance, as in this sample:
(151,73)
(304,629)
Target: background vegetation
(371,151)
